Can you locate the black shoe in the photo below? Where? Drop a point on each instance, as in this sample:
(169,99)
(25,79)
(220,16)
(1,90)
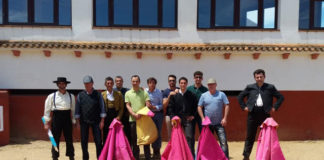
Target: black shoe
(71,158)
(246,158)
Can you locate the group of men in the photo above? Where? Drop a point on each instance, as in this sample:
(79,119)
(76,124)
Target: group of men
(191,103)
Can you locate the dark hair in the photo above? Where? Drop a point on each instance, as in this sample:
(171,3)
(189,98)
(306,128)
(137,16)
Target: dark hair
(198,73)
(183,78)
(173,76)
(258,71)
(135,76)
(151,79)
(119,77)
(109,79)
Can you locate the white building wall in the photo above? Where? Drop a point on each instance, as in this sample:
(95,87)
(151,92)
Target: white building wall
(32,70)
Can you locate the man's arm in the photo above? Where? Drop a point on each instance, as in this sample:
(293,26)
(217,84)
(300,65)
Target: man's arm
(224,120)
(121,106)
(102,111)
(241,97)
(130,110)
(200,112)
(47,110)
(279,96)
(73,108)
(167,99)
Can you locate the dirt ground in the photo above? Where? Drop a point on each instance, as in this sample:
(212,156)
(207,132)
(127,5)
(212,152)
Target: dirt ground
(23,149)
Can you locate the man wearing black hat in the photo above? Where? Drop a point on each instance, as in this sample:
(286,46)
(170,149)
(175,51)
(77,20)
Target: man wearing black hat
(62,104)
(90,112)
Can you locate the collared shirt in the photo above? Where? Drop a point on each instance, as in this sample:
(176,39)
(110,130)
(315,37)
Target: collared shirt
(62,102)
(155,98)
(137,100)
(101,105)
(197,91)
(122,90)
(181,92)
(213,105)
(110,96)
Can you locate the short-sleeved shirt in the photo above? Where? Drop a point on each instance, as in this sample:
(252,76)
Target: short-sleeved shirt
(137,100)
(213,105)
(197,91)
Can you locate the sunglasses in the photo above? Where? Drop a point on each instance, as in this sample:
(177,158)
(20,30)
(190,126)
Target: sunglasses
(172,80)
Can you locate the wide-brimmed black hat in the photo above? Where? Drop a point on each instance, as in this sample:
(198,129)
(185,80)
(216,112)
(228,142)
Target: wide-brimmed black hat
(61,79)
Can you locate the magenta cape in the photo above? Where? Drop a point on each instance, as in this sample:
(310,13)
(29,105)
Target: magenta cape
(268,143)
(208,148)
(177,148)
(116,146)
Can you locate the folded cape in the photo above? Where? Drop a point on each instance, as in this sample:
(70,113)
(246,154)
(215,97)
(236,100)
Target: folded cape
(177,148)
(145,127)
(268,144)
(208,148)
(116,146)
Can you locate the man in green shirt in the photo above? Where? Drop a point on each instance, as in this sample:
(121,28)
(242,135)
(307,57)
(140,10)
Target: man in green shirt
(136,99)
(198,89)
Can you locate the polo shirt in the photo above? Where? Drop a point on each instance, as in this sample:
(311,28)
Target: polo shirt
(137,100)
(197,91)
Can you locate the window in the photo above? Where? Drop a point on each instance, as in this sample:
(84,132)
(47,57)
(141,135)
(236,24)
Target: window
(135,13)
(311,14)
(35,12)
(237,14)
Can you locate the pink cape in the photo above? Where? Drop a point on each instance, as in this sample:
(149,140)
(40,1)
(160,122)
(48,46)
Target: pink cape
(177,148)
(208,148)
(268,143)
(116,146)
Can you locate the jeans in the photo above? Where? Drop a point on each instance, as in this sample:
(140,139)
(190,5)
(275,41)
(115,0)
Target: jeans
(254,120)
(189,130)
(221,134)
(62,122)
(85,136)
(134,146)
(158,120)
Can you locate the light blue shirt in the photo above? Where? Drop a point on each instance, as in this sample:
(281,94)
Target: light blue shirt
(213,105)
(155,98)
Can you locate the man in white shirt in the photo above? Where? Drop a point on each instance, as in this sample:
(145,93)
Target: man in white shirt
(62,104)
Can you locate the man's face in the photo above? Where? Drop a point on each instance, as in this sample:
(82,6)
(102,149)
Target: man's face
(212,87)
(172,82)
(151,85)
(119,82)
(183,84)
(88,86)
(135,82)
(198,79)
(109,84)
(259,78)
(61,85)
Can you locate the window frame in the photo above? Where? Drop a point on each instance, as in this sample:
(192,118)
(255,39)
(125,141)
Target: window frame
(31,15)
(136,16)
(236,18)
(312,17)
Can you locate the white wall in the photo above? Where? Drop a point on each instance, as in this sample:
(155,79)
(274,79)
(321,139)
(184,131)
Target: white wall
(32,70)
(187,32)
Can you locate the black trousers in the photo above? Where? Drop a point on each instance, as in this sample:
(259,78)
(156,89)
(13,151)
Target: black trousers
(125,122)
(62,122)
(111,114)
(134,146)
(96,132)
(255,118)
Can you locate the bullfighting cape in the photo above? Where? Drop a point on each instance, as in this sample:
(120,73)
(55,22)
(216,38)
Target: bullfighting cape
(208,148)
(116,146)
(177,148)
(268,144)
(145,127)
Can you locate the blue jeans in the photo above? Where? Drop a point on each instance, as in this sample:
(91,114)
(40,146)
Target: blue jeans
(158,120)
(85,136)
(220,131)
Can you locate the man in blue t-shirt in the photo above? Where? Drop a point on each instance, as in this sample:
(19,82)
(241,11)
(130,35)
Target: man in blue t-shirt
(213,103)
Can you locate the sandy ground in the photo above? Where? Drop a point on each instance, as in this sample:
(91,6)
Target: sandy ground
(22,149)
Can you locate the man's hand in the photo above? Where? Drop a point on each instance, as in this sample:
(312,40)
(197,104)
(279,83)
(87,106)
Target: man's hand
(118,118)
(224,122)
(137,116)
(46,126)
(173,92)
(190,118)
(101,125)
(174,123)
(246,109)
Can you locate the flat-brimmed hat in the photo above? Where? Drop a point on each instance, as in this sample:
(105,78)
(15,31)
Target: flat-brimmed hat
(211,81)
(61,79)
